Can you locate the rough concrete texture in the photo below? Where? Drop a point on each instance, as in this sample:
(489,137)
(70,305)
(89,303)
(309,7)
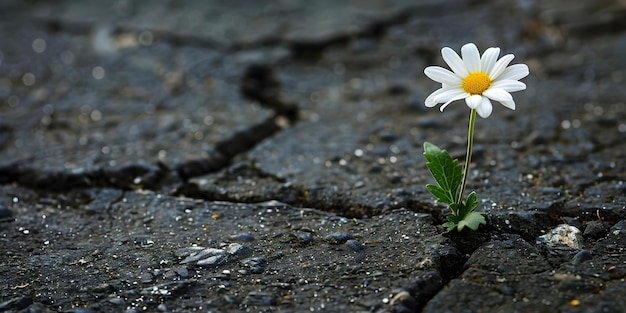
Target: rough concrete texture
(214,156)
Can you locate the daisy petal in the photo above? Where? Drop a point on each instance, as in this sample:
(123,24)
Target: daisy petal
(515,72)
(509,85)
(485,108)
(471,57)
(500,66)
(509,104)
(473,101)
(430,100)
(454,61)
(497,94)
(441,75)
(450,95)
(443,106)
(489,58)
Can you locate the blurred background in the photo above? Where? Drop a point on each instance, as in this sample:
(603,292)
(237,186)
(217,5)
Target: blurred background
(137,88)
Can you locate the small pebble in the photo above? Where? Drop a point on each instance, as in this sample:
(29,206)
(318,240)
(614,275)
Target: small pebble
(563,235)
(257,261)
(260,298)
(257,265)
(355,245)
(203,254)
(238,250)
(594,230)
(117,301)
(182,271)
(403,302)
(146,278)
(338,237)
(187,251)
(242,237)
(231,300)
(304,238)
(214,260)
(618,227)
(582,256)
(278,255)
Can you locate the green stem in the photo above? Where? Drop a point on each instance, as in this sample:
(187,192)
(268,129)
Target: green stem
(468,154)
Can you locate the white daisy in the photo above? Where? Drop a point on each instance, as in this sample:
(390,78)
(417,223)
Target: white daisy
(476,79)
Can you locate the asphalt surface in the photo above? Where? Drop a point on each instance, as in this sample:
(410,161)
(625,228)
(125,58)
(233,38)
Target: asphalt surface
(215,156)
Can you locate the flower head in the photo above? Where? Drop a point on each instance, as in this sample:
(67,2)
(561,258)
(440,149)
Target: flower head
(476,79)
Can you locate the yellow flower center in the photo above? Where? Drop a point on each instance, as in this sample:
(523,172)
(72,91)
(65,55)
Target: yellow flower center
(476,83)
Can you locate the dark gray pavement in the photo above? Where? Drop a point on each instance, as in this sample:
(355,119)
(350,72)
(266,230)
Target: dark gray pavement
(257,156)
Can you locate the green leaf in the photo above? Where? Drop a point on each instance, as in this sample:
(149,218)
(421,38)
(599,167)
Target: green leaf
(439,193)
(453,218)
(446,171)
(470,204)
(472,220)
(453,221)
(449,226)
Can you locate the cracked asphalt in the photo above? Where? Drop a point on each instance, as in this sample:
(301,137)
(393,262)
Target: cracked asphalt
(187,156)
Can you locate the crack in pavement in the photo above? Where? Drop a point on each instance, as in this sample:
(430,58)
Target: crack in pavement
(259,84)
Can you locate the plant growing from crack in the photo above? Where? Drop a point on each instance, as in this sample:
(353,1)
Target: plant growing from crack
(477,79)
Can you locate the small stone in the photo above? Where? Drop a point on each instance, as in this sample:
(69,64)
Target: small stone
(355,245)
(304,238)
(338,237)
(573,221)
(146,278)
(203,254)
(257,265)
(103,288)
(187,251)
(182,271)
(260,298)
(618,227)
(582,256)
(258,261)
(242,237)
(238,250)
(277,255)
(214,260)
(594,230)
(117,301)
(388,136)
(231,300)
(163,308)
(403,302)
(170,275)
(563,235)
